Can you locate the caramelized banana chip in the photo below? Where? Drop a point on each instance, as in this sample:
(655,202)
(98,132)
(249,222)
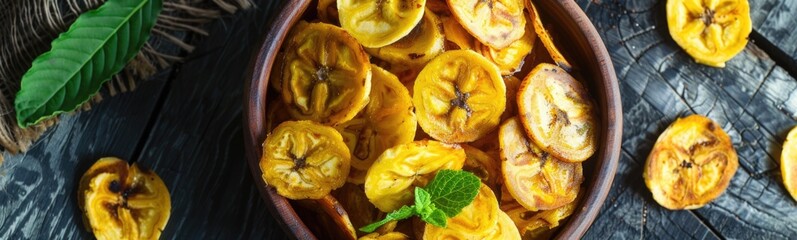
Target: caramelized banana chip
(303,159)
(788,163)
(537,180)
(691,163)
(459,96)
(483,166)
(327,11)
(510,59)
(456,36)
(558,113)
(338,214)
(712,32)
(476,221)
(496,23)
(388,120)
(512,87)
(538,224)
(380,23)
(547,40)
(361,211)
(326,76)
(123,202)
(395,174)
(386,236)
(422,44)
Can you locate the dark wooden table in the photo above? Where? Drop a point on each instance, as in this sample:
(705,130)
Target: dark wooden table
(185,123)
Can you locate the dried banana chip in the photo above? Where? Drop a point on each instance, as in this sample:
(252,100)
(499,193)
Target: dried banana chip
(303,159)
(456,36)
(326,76)
(361,211)
(338,214)
(788,163)
(510,59)
(487,168)
(547,40)
(395,174)
(459,96)
(327,11)
(496,23)
(123,202)
(537,224)
(388,120)
(558,113)
(691,163)
(386,236)
(422,44)
(478,220)
(534,178)
(712,32)
(379,23)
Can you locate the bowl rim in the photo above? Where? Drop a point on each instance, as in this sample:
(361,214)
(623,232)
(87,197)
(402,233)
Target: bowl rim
(255,94)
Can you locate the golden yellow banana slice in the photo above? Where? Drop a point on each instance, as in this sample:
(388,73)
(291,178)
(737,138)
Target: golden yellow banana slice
(487,168)
(422,44)
(496,23)
(505,228)
(537,224)
(788,163)
(558,113)
(456,36)
(395,174)
(712,32)
(304,160)
(459,96)
(478,220)
(510,59)
(379,23)
(512,87)
(361,212)
(326,75)
(335,210)
(691,163)
(388,120)
(547,40)
(123,202)
(536,179)
(327,11)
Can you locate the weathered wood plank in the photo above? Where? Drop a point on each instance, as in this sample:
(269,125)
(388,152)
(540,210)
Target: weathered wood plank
(196,143)
(775,20)
(750,98)
(38,189)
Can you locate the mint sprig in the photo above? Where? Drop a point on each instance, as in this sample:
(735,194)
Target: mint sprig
(443,198)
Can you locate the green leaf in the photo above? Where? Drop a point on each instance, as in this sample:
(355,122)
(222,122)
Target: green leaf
(453,190)
(422,199)
(400,214)
(436,217)
(96,46)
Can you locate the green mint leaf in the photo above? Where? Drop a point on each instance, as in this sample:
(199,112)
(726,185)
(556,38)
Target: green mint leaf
(436,217)
(422,199)
(402,213)
(453,190)
(97,45)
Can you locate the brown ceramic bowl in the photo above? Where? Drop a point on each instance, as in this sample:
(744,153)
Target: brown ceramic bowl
(572,27)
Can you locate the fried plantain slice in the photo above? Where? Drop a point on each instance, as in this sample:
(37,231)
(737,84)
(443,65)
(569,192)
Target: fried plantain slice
(510,59)
(391,180)
(303,159)
(712,32)
(335,210)
(788,163)
(456,36)
(512,87)
(505,228)
(487,168)
(386,236)
(537,224)
(495,23)
(534,178)
(478,220)
(361,211)
(691,163)
(326,76)
(327,11)
(422,44)
(380,23)
(558,113)
(459,96)
(388,120)
(547,40)
(121,201)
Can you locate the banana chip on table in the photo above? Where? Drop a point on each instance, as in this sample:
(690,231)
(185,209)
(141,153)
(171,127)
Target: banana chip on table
(459,97)
(121,201)
(712,32)
(495,23)
(691,163)
(421,45)
(379,23)
(388,120)
(326,74)
(788,163)
(392,179)
(303,159)
(558,113)
(534,178)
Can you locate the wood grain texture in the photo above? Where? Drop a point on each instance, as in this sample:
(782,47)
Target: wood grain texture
(38,189)
(752,98)
(776,20)
(196,143)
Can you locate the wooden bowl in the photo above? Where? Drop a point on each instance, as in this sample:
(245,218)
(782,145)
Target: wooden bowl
(572,26)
